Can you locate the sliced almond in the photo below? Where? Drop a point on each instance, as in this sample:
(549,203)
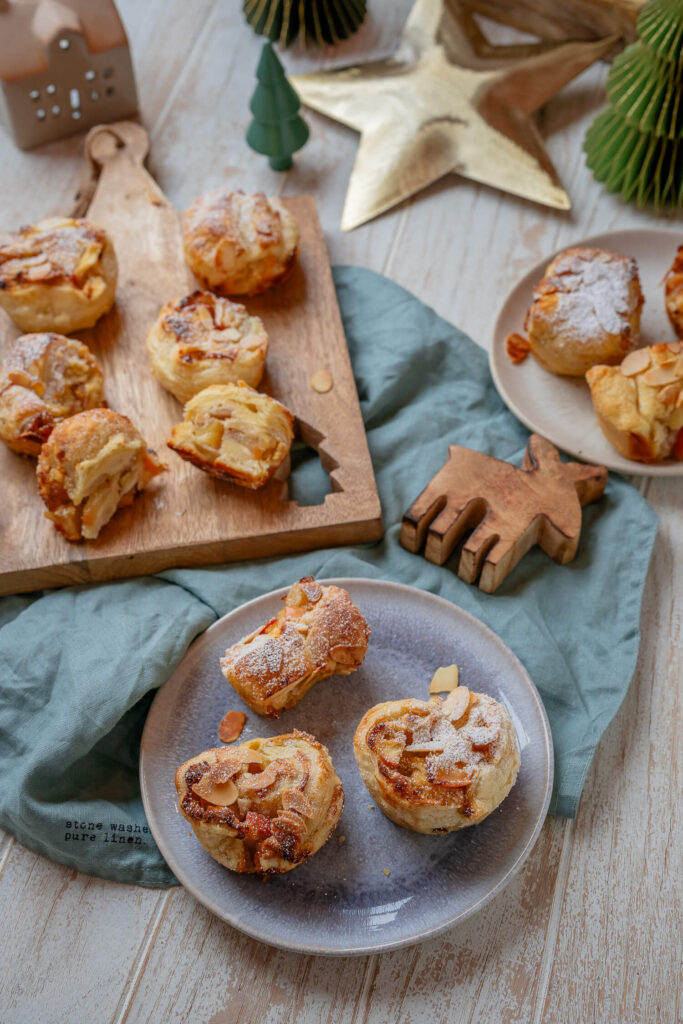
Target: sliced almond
(390,751)
(658,376)
(231,726)
(679,366)
(322,382)
(635,362)
(426,747)
(517,347)
(456,704)
(676,418)
(222,794)
(669,394)
(259,780)
(445,679)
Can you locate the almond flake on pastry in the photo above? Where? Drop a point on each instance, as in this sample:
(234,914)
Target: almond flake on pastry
(586,310)
(58,275)
(320,632)
(639,404)
(673,292)
(234,433)
(238,244)
(92,464)
(202,340)
(437,766)
(45,379)
(265,806)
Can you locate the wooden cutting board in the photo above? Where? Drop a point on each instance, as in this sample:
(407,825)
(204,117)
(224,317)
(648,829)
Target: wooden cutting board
(185,517)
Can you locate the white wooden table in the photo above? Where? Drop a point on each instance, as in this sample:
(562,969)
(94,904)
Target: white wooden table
(588,931)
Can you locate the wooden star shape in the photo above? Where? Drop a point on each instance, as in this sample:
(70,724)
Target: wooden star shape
(446,102)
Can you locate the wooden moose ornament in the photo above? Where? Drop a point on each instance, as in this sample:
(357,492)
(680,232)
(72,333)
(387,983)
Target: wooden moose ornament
(508,509)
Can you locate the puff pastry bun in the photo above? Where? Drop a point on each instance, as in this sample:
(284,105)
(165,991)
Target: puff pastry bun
(586,310)
(239,244)
(673,292)
(58,275)
(439,765)
(45,378)
(319,633)
(203,340)
(639,404)
(92,464)
(234,433)
(264,806)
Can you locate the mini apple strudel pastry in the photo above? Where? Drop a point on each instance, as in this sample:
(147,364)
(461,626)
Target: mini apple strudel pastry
(234,433)
(58,275)
(439,765)
(586,310)
(239,244)
(203,340)
(319,633)
(45,378)
(265,806)
(639,404)
(92,464)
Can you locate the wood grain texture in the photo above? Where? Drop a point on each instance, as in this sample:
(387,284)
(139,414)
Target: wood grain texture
(508,510)
(186,517)
(460,248)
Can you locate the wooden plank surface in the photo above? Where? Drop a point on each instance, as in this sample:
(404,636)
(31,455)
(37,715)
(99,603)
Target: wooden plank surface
(585,934)
(187,517)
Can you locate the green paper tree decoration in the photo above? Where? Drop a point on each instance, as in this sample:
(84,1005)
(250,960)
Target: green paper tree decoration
(318,21)
(635,146)
(276,130)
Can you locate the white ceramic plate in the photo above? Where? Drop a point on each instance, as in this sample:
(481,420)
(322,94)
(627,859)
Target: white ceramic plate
(341,902)
(560,408)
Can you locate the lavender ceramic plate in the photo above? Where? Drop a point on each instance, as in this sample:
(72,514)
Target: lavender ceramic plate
(341,902)
(560,408)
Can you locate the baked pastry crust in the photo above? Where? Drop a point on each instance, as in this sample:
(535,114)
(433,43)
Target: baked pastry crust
(673,292)
(586,310)
(58,275)
(45,378)
(234,433)
(639,404)
(278,800)
(202,340)
(239,244)
(92,464)
(320,632)
(439,765)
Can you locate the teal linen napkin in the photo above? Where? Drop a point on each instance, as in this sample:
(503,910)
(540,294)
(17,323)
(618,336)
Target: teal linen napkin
(78,666)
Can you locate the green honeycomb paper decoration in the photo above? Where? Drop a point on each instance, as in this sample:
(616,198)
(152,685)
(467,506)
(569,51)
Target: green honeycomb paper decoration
(323,22)
(635,145)
(276,130)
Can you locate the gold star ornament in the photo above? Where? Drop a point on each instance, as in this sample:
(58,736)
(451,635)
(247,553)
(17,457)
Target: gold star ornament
(447,101)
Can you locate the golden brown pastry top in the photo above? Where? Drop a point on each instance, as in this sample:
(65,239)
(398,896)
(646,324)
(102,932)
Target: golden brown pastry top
(206,326)
(53,250)
(319,632)
(673,292)
(237,243)
(640,403)
(45,378)
(264,806)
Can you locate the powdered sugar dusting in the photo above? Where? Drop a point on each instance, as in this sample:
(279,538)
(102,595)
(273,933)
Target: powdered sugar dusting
(465,746)
(594,292)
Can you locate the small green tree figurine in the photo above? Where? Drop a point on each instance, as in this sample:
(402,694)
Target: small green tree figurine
(277,130)
(635,146)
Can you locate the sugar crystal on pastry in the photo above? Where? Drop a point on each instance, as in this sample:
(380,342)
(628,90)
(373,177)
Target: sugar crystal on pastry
(265,806)
(320,632)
